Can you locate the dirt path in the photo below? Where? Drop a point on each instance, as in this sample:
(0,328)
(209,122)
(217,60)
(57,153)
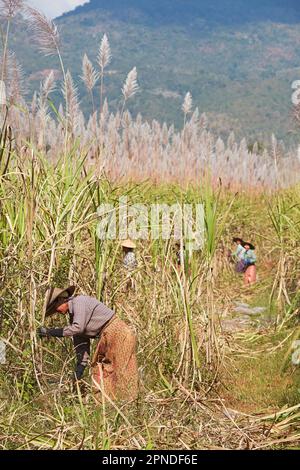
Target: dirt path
(255,380)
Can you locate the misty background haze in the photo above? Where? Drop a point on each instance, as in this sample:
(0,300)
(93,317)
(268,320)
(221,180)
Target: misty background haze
(53,8)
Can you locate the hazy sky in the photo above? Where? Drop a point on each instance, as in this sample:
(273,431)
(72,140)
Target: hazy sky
(53,8)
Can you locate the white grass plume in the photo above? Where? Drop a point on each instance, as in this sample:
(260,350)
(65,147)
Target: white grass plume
(9,8)
(131,85)
(70,94)
(13,77)
(89,74)
(187,104)
(48,85)
(104,56)
(45,32)
(17,87)
(34,104)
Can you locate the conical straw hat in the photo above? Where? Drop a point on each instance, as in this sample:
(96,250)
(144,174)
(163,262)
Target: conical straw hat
(252,247)
(128,244)
(56,296)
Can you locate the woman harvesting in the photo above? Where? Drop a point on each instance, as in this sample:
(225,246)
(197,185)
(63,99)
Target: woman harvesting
(249,259)
(114,365)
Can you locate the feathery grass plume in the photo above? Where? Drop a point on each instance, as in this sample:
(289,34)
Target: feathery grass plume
(104,56)
(195,116)
(73,112)
(14,77)
(46,35)
(131,85)
(231,140)
(48,85)
(45,32)
(17,87)
(104,59)
(187,104)
(9,8)
(186,108)
(89,75)
(105,111)
(156,149)
(203,121)
(126,120)
(34,103)
(104,117)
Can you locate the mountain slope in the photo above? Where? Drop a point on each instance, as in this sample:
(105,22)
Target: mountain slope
(224,12)
(237,59)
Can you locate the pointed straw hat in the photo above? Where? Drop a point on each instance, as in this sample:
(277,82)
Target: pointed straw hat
(56,297)
(252,247)
(128,244)
(238,239)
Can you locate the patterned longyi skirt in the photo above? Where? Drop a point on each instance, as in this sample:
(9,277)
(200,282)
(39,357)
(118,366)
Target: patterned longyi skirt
(114,365)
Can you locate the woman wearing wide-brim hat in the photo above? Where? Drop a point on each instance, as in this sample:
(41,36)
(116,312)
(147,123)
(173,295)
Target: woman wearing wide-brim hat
(114,363)
(249,258)
(248,246)
(56,297)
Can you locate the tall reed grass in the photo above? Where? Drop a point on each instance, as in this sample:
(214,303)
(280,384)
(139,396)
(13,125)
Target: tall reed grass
(123,146)
(56,168)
